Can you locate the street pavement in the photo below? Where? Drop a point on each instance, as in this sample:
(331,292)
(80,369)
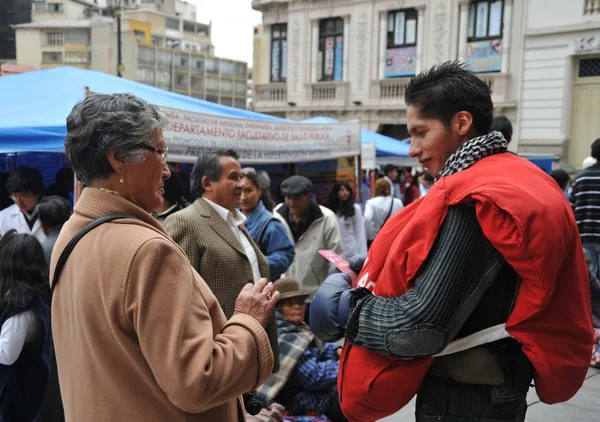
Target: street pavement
(584,407)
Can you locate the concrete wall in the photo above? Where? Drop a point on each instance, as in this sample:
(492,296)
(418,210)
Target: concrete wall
(550,58)
(29,47)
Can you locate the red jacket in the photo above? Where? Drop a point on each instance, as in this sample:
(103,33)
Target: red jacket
(527,218)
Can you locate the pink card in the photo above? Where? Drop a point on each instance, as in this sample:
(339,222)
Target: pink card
(339,262)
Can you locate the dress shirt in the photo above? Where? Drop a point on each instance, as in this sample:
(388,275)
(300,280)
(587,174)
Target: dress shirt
(236,221)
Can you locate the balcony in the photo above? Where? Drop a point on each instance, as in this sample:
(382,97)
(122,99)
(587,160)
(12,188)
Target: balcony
(389,91)
(335,94)
(591,7)
(269,97)
(498,84)
(262,4)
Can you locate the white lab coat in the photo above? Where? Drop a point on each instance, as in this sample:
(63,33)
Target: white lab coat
(12,218)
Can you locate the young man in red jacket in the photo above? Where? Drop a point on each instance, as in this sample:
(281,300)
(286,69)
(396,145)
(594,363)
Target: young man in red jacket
(491,258)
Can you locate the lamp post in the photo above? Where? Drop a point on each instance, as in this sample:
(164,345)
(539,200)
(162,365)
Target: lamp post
(119,49)
(114,9)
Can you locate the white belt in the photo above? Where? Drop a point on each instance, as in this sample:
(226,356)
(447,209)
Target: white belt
(489,335)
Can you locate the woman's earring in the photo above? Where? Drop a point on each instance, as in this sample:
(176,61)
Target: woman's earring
(122,181)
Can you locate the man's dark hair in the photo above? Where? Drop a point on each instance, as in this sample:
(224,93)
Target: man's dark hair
(504,126)
(53,211)
(562,178)
(596,149)
(174,187)
(208,165)
(26,179)
(389,168)
(448,88)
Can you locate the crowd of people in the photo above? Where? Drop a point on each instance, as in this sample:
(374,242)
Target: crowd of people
(144,302)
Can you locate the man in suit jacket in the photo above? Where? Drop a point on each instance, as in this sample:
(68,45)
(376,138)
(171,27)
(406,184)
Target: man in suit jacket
(211,232)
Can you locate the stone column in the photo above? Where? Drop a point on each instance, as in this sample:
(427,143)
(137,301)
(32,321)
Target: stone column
(506,34)
(267,53)
(463,31)
(314,51)
(420,40)
(346,48)
(383,19)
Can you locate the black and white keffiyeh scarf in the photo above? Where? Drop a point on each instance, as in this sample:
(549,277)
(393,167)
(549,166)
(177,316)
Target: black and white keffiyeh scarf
(472,151)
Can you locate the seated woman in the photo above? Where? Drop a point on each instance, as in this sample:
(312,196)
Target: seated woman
(307,379)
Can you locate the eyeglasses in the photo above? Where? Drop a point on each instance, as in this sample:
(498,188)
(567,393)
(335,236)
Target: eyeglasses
(164,153)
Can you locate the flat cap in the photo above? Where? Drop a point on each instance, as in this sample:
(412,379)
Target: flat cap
(296,185)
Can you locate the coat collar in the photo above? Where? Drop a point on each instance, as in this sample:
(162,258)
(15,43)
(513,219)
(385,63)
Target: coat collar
(95,203)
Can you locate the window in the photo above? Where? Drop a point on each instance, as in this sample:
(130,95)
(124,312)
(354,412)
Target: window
(76,57)
(589,68)
(279,52)
(140,36)
(226,68)
(55,38)
(241,71)
(203,30)
(331,49)
(212,66)
(157,41)
(401,51)
(402,28)
(51,57)
(78,36)
(145,55)
(55,8)
(485,20)
(171,23)
(189,27)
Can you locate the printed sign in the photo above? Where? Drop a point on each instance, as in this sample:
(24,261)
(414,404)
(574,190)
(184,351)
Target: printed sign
(484,56)
(329,53)
(188,134)
(338,71)
(400,61)
(339,263)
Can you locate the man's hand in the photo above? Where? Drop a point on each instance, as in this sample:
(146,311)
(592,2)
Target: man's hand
(257,300)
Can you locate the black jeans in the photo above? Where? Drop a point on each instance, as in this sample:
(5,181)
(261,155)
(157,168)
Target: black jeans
(424,413)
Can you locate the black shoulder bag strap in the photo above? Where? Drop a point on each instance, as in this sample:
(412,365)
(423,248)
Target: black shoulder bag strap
(69,248)
(389,213)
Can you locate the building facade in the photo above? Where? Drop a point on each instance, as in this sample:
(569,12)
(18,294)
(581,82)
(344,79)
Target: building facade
(158,48)
(352,59)
(560,90)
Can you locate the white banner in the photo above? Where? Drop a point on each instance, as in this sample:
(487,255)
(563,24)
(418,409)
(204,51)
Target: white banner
(188,134)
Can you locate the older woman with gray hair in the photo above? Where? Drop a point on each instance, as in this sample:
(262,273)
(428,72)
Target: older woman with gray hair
(138,333)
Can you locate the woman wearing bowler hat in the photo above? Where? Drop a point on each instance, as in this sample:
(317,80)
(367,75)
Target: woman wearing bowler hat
(307,378)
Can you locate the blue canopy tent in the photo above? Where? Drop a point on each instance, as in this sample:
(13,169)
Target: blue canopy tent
(35,105)
(387,150)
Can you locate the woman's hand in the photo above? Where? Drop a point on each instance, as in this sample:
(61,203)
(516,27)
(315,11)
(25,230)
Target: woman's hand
(257,300)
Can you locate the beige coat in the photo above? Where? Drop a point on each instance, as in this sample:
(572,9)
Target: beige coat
(139,336)
(218,256)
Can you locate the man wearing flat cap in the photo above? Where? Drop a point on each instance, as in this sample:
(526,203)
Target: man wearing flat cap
(313,228)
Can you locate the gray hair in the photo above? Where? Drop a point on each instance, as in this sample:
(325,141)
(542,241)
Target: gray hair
(115,122)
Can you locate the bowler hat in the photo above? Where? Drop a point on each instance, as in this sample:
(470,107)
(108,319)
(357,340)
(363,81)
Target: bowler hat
(296,185)
(289,288)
